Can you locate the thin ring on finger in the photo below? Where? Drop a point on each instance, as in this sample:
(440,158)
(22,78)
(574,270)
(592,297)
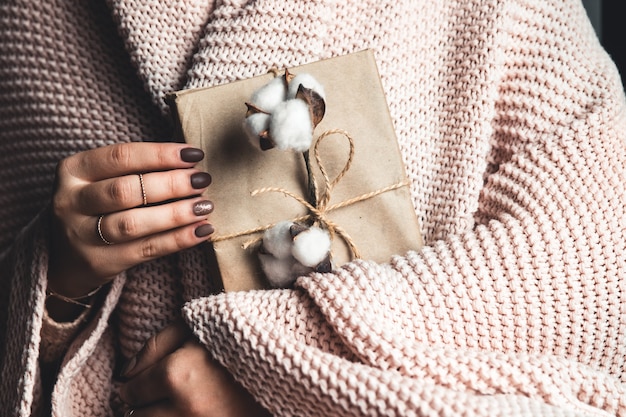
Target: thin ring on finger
(140,222)
(99,230)
(129,412)
(143,190)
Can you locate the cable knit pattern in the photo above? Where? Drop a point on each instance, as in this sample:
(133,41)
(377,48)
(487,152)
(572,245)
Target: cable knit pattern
(511,121)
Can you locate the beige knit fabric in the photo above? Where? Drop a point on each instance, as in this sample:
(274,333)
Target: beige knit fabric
(512,124)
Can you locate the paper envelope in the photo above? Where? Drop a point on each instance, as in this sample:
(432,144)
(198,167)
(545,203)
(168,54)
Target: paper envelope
(380,222)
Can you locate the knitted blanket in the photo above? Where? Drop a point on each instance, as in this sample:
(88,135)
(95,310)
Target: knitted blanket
(511,121)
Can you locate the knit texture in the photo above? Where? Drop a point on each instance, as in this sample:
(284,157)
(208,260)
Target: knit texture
(511,121)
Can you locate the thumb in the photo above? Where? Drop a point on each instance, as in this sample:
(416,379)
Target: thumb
(162,344)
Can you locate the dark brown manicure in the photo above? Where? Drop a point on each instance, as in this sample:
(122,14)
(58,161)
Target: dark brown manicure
(204,230)
(202,208)
(200,180)
(191,155)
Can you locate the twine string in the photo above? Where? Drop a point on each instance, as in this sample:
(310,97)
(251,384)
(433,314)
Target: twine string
(328,184)
(318,213)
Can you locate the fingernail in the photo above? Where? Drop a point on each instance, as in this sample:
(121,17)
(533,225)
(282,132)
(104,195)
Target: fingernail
(200,180)
(204,230)
(130,365)
(191,155)
(202,207)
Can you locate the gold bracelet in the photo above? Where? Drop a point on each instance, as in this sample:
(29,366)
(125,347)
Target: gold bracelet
(74,300)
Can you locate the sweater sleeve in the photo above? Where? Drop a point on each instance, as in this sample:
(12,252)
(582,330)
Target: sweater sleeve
(520,315)
(29,336)
(23,296)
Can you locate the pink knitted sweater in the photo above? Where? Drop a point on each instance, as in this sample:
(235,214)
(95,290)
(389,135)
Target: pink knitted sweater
(512,124)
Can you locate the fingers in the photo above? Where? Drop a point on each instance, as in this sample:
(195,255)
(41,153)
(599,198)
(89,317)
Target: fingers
(125,226)
(183,380)
(127,158)
(98,231)
(164,343)
(130,191)
(152,385)
(163,367)
(187,382)
(119,257)
(147,388)
(122,239)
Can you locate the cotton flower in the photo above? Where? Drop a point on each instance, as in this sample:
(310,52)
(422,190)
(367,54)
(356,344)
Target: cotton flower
(311,246)
(270,95)
(291,126)
(277,240)
(307,81)
(290,250)
(256,126)
(281,273)
(284,112)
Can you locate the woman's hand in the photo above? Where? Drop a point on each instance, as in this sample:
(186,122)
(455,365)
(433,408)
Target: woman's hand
(101,224)
(174,375)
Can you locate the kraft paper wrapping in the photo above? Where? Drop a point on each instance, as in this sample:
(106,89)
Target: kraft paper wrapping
(380,226)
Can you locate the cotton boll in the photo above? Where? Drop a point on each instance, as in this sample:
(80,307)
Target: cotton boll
(307,81)
(270,95)
(291,127)
(254,125)
(279,272)
(277,240)
(311,246)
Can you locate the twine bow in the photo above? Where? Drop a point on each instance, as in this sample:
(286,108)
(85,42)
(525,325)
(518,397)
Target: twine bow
(320,207)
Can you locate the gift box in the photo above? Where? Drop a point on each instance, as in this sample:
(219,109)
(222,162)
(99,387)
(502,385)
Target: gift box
(355,160)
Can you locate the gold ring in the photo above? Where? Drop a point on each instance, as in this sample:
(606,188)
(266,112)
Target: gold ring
(143,190)
(99,230)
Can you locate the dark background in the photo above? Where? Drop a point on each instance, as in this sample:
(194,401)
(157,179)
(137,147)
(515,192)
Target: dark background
(609,19)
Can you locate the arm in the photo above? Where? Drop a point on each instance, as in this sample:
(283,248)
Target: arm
(79,260)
